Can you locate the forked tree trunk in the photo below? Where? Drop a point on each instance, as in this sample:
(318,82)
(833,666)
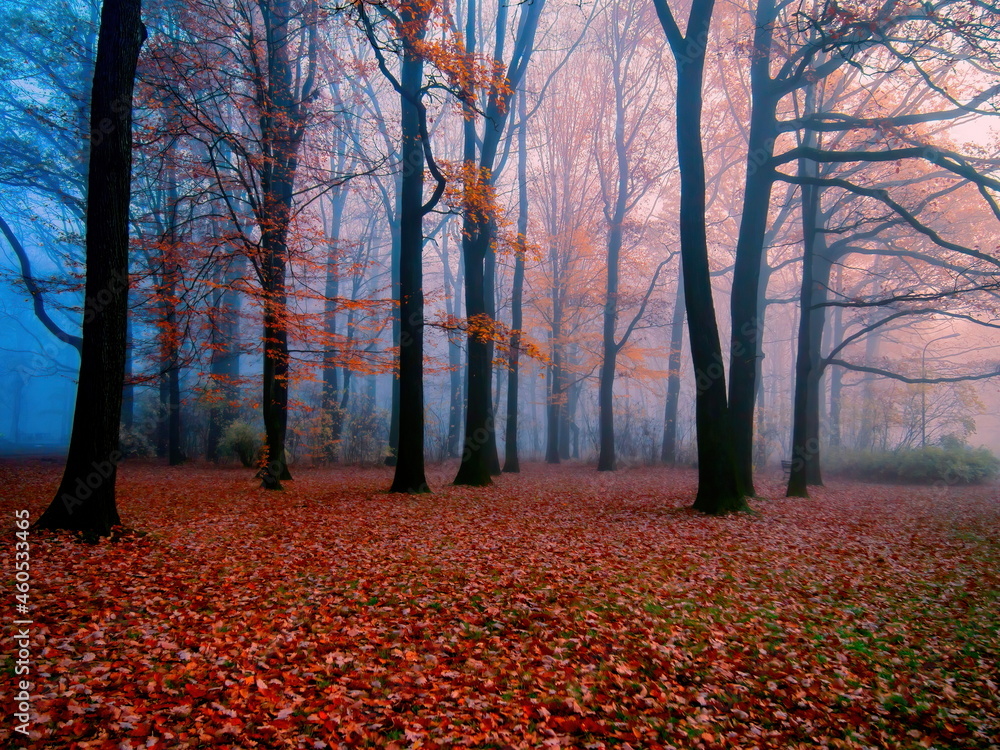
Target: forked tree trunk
(719,489)
(479,452)
(85,499)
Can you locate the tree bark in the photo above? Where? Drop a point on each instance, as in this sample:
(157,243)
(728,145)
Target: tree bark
(409,475)
(512,464)
(745,310)
(332,413)
(282,128)
(479,453)
(804,451)
(668,451)
(719,488)
(85,499)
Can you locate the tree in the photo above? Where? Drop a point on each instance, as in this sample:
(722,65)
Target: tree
(627,168)
(409,24)
(890,40)
(668,449)
(512,464)
(719,488)
(85,499)
(479,459)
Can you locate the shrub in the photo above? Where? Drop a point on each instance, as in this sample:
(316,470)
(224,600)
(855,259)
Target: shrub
(133,444)
(242,441)
(952,463)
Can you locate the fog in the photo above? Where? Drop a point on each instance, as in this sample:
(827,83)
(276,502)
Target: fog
(579,203)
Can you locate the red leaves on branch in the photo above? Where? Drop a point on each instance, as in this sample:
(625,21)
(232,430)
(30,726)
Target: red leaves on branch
(562,608)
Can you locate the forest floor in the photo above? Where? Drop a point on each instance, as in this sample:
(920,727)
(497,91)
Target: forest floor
(560,608)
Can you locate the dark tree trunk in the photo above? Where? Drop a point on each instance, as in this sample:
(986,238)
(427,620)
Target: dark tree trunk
(475,467)
(747,320)
(511,463)
(816,269)
(668,452)
(554,403)
(804,452)
(175,454)
(452,285)
(456,382)
(719,488)
(489,289)
(395,228)
(85,499)
(332,414)
(552,409)
(821,272)
(479,453)
(606,390)
(282,129)
(409,475)
(163,417)
(571,449)
(567,410)
(836,376)
(170,388)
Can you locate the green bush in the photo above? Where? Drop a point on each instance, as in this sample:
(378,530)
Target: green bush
(242,441)
(132,444)
(951,463)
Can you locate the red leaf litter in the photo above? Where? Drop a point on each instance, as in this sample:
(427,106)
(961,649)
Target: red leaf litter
(559,608)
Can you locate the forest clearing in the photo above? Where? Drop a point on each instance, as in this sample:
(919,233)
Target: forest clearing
(557,609)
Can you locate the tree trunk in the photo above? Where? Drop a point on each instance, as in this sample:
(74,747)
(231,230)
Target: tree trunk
(804,452)
(555,379)
(668,452)
(745,310)
(175,455)
(606,389)
(816,269)
(332,414)
(719,488)
(85,499)
(821,272)
(837,373)
(395,229)
(479,454)
(455,371)
(511,463)
(475,467)
(281,133)
(409,475)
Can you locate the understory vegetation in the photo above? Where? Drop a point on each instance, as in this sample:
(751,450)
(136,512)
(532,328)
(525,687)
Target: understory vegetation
(951,463)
